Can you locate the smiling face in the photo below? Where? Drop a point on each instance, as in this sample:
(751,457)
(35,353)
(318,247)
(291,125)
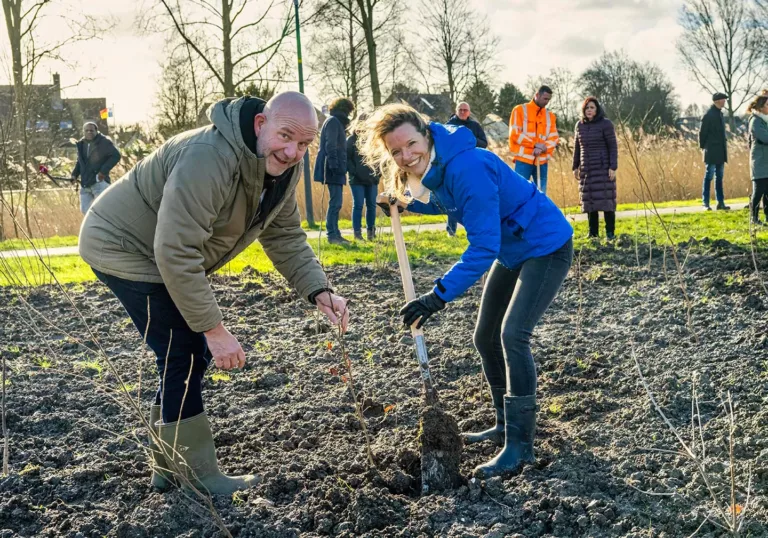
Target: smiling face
(409,148)
(590,111)
(283,135)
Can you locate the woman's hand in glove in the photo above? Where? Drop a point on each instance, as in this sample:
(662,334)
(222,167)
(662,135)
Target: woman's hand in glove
(423,307)
(384,201)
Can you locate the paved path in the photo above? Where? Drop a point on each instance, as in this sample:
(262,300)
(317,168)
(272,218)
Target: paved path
(69,251)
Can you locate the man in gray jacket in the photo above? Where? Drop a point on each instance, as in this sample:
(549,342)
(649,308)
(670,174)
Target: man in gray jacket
(96,157)
(179,215)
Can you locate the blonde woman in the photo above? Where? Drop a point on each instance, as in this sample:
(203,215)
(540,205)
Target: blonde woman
(514,231)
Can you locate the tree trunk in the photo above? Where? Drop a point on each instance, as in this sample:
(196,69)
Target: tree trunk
(366,13)
(352,62)
(226,42)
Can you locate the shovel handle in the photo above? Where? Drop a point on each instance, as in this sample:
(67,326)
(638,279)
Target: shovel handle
(410,295)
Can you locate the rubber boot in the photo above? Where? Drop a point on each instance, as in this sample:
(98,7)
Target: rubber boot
(358,235)
(519,429)
(371,234)
(161,474)
(495,434)
(195,457)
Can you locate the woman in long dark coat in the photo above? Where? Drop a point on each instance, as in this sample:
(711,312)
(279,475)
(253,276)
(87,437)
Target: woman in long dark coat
(595,161)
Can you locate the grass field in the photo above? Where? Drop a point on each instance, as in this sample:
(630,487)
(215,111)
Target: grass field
(428,246)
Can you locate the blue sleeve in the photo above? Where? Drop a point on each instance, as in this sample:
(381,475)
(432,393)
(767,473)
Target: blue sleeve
(430,208)
(478,197)
(482,140)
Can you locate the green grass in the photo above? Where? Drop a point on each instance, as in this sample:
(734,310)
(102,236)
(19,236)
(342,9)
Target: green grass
(23,244)
(432,246)
(660,205)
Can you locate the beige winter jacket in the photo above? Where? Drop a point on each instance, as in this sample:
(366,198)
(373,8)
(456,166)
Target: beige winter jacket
(187,209)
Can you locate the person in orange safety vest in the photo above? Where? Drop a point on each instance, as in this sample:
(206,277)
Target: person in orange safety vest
(533,137)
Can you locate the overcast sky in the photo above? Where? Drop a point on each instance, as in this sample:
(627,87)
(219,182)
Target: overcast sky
(535,36)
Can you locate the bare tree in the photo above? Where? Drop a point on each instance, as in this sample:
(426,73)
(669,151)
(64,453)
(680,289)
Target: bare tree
(457,42)
(341,53)
(28,50)
(236,40)
(377,20)
(721,49)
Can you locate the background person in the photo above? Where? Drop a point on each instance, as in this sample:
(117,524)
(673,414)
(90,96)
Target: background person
(758,150)
(331,164)
(180,214)
(513,229)
(595,161)
(533,137)
(364,184)
(712,139)
(96,157)
(462,118)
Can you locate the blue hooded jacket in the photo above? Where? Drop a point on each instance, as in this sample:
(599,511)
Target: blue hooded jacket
(506,217)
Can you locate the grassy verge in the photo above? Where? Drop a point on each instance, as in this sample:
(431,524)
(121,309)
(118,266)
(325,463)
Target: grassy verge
(431,246)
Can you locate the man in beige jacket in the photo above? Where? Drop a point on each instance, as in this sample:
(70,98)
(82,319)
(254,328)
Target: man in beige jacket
(179,215)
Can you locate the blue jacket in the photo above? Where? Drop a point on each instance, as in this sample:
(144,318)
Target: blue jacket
(506,217)
(331,162)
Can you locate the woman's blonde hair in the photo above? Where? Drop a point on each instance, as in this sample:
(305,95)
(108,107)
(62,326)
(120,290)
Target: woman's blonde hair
(758,103)
(374,151)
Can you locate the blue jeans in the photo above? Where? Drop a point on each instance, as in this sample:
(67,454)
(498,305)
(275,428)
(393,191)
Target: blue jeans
(513,302)
(716,170)
(528,171)
(168,336)
(360,194)
(336,193)
(89,194)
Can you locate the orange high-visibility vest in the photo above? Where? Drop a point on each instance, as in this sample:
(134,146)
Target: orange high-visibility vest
(529,125)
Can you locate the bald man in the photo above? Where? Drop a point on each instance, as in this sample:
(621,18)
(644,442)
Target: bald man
(182,213)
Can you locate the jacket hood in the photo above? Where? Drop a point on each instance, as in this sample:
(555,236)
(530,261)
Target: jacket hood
(225,116)
(449,141)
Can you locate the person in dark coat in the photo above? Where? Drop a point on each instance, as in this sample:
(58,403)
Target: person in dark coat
(364,182)
(595,161)
(96,157)
(712,140)
(331,164)
(758,150)
(461,118)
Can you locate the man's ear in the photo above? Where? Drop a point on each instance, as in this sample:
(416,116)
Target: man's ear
(258,122)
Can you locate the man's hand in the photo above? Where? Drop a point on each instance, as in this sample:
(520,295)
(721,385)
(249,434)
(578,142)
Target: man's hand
(225,348)
(384,201)
(101,177)
(612,174)
(576,174)
(537,150)
(334,307)
(421,309)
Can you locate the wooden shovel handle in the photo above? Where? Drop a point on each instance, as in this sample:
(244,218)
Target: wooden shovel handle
(410,294)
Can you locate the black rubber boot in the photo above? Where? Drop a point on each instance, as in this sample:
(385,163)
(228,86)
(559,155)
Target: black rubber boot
(520,428)
(495,434)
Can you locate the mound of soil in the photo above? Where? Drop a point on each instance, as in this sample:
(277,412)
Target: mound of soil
(607,465)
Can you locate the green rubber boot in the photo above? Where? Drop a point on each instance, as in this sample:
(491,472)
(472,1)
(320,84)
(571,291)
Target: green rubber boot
(161,474)
(195,456)
(495,434)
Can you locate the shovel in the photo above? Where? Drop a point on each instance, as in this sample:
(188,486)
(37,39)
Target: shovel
(439,433)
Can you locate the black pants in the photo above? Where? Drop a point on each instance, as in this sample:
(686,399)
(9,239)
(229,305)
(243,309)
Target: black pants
(759,192)
(594,222)
(512,305)
(168,335)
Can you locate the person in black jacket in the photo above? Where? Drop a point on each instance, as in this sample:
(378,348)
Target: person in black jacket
(462,118)
(712,140)
(364,182)
(96,156)
(331,164)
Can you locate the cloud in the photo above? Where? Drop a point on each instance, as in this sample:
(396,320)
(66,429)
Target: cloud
(576,45)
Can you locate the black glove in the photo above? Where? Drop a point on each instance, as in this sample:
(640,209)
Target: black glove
(423,307)
(386,205)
